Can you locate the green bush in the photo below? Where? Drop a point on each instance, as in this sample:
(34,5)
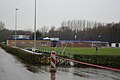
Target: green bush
(103,60)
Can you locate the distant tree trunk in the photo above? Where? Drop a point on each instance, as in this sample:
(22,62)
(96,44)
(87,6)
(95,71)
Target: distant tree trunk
(44,31)
(2,26)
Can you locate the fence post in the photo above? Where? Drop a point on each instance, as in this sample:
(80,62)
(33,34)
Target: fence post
(53,65)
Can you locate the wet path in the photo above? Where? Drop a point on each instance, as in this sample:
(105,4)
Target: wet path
(12,69)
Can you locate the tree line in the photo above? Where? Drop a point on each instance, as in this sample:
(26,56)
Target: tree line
(87,30)
(6,34)
(72,30)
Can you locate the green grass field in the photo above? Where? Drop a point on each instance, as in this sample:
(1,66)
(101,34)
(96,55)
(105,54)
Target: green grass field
(89,51)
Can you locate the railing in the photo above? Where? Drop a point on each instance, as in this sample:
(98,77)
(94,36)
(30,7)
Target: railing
(88,64)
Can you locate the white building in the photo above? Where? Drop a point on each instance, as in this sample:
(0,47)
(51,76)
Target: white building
(21,36)
(51,39)
(115,44)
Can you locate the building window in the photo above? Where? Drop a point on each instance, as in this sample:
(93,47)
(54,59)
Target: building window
(23,42)
(31,42)
(44,43)
(13,42)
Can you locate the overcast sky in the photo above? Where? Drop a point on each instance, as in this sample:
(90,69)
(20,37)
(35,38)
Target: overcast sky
(53,12)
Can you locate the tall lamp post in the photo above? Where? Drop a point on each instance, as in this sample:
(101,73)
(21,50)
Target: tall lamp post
(35,28)
(16,9)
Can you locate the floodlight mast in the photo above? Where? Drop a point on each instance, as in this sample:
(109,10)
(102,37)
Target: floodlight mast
(16,9)
(35,28)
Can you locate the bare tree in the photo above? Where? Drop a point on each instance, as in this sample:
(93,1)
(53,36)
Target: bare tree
(65,33)
(52,32)
(44,31)
(2,25)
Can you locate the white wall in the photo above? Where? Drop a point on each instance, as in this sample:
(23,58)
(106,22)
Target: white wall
(113,44)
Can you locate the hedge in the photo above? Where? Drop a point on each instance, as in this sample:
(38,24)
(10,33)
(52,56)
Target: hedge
(26,56)
(103,60)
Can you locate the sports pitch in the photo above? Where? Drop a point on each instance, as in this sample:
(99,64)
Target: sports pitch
(88,51)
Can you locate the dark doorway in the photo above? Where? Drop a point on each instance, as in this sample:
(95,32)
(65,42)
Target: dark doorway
(117,45)
(54,43)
